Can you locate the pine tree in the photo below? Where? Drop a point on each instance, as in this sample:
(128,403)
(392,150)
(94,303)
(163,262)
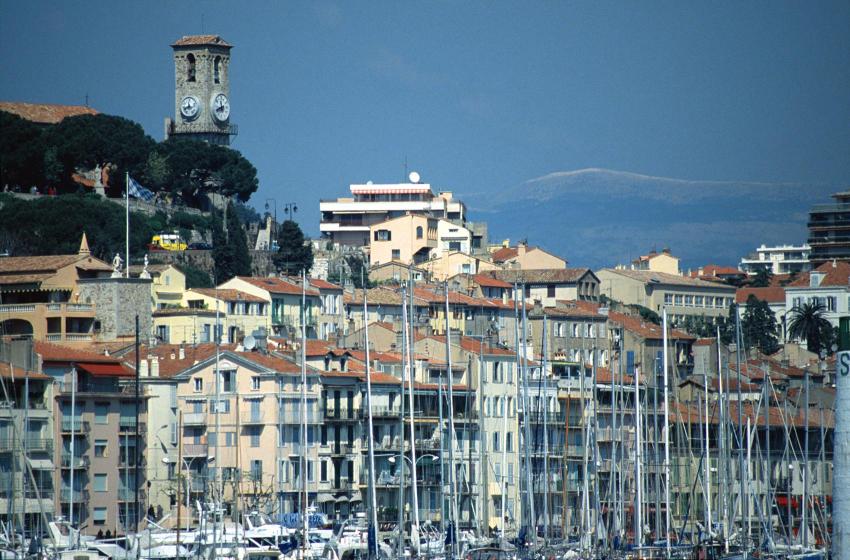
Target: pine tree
(759,326)
(230,248)
(294,254)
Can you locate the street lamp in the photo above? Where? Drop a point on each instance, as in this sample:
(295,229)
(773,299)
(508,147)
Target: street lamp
(290,208)
(188,468)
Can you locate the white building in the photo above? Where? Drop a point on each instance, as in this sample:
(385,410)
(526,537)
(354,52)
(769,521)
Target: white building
(780,259)
(452,237)
(346,221)
(828,284)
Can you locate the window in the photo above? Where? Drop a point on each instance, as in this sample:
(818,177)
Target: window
(454,245)
(217,70)
(99,516)
(199,384)
(257,470)
(383,235)
(190,68)
(323,470)
(668,299)
(509,442)
(311,472)
(100,482)
(497,374)
(396,254)
(227,378)
(222,406)
(495,441)
(101,413)
(100,447)
(698,301)
(550,290)
(689,301)
(575,330)
(677,300)
(418,232)
(255,383)
(254,434)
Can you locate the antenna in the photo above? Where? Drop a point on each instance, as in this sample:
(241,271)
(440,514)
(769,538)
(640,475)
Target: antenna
(249,342)
(414,177)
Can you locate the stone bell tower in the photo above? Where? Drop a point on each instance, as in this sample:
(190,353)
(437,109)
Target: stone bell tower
(201,90)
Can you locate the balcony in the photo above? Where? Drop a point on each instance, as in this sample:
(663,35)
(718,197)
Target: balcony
(75,426)
(294,416)
(30,444)
(341,414)
(195,449)
(128,424)
(195,419)
(77,462)
(343,449)
(381,412)
(129,495)
(252,418)
(67,495)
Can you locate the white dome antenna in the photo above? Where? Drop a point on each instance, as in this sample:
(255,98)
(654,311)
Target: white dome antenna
(414,177)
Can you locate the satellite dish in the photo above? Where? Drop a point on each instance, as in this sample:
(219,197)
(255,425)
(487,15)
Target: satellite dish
(249,343)
(414,177)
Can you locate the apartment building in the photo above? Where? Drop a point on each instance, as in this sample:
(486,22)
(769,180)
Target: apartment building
(168,284)
(284,298)
(681,295)
(778,259)
(828,285)
(552,284)
(575,332)
(447,264)
(26,438)
(40,296)
(525,257)
(828,224)
(657,262)
(240,313)
(101,462)
(347,221)
(331,311)
(408,239)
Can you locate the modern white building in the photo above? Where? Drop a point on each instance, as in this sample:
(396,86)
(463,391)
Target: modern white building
(780,259)
(452,236)
(828,284)
(346,221)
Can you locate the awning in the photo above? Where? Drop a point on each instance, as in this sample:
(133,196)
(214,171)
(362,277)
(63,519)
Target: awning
(108,369)
(325,498)
(355,497)
(342,499)
(41,464)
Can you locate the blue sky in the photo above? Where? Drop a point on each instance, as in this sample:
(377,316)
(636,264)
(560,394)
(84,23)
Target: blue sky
(478,96)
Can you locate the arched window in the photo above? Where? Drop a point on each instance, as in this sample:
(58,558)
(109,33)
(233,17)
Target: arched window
(418,232)
(217,70)
(190,68)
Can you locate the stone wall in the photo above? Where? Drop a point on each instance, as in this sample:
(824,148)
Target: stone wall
(261,261)
(117,302)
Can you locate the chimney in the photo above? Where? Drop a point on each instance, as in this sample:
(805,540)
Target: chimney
(521,248)
(143,368)
(154,371)
(181,353)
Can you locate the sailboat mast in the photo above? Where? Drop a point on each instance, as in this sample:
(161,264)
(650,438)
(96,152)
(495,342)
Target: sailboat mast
(502,470)
(305,521)
(406,343)
(400,459)
(666,430)
(370,441)
(638,529)
(527,427)
(741,468)
(544,371)
(804,523)
(452,472)
(707,456)
(724,479)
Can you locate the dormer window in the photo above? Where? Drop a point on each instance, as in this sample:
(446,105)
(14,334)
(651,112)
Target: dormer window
(815,278)
(190,69)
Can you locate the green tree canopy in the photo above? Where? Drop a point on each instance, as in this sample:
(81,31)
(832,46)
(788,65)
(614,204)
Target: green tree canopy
(759,326)
(762,278)
(230,249)
(294,253)
(21,151)
(808,322)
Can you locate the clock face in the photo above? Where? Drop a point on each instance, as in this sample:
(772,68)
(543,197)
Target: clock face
(220,106)
(190,107)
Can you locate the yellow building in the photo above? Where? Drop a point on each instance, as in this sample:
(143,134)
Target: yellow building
(409,238)
(168,284)
(657,262)
(450,263)
(284,298)
(525,257)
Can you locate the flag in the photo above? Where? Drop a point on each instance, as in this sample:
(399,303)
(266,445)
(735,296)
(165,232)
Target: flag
(138,191)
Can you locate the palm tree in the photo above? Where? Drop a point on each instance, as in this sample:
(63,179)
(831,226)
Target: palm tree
(808,322)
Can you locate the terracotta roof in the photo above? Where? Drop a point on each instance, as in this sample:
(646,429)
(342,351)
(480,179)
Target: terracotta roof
(276,285)
(136,269)
(505,253)
(645,329)
(228,295)
(193,40)
(648,276)
(572,308)
(50,352)
(187,311)
(835,274)
(472,345)
(705,341)
(774,294)
(379,296)
(434,294)
(490,282)
(6,372)
(45,113)
(320,284)
(716,271)
(168,366)
(540,275)
(48,264)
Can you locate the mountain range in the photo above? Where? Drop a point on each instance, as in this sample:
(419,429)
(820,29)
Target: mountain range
(599,217)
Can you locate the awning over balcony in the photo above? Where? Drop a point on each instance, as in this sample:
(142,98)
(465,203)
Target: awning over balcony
(109,369)
(325,498)
(41,464)
(342,499)
(356,497)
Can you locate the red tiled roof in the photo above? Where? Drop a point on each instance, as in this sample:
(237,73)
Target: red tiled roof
(50,352)
(490,282)
(193,40)
(540,275)
(7,372)
(45,113)
(48,264)
(716,270)
(835,274)
(645,329)
(320,284)
(228,295)
(276,285)
(773,294)
(105,369)
(505,253)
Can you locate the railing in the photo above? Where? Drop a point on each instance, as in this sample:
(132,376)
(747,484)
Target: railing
(341,413)
(31,444)
(195,419)
(78,337)
(252,417)
(294,416)
(18,308)
(78,427)
(54,337)
(381,412)
(127,423)
(68,495)
(77,462)
(342,449)
(128,495)
(195,449)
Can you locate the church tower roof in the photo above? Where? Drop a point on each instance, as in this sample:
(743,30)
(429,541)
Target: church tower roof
(201,40)
(84,246)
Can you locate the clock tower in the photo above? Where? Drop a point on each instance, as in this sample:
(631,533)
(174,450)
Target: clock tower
(201,90)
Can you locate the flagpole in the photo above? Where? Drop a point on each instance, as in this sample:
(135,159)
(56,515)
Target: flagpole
(127,224)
